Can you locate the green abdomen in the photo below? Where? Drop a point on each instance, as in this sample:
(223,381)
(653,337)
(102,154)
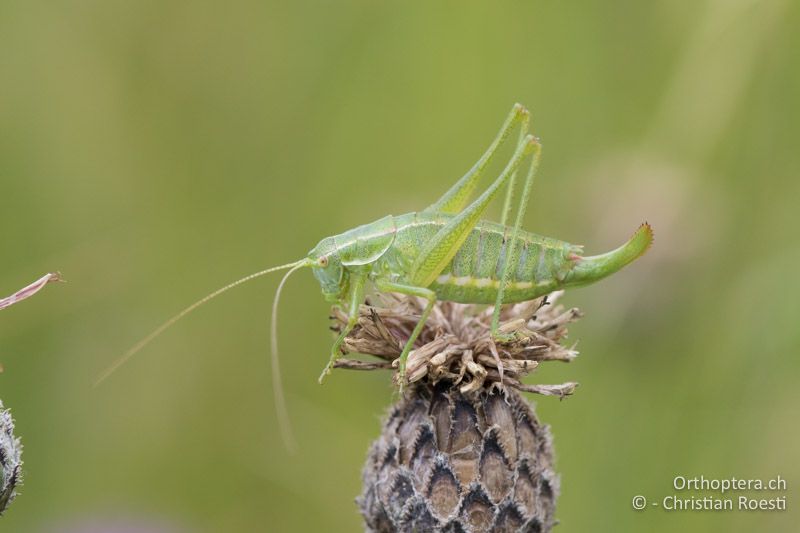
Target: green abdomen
(474,273)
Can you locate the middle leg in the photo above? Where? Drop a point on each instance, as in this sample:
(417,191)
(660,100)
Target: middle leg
(427,294)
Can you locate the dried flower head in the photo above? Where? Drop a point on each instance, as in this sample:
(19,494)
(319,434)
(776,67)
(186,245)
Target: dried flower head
(461,450)
(456,344)
(447,461)
(10,461)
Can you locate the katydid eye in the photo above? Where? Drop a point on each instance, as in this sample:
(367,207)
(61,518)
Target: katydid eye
(323,261)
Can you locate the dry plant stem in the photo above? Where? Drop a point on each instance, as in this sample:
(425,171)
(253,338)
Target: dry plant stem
(30,290)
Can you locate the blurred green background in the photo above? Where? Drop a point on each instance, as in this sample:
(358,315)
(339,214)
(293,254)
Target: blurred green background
(153,151)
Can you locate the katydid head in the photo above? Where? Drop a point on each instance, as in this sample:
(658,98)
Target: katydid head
(335,257)
(328,269)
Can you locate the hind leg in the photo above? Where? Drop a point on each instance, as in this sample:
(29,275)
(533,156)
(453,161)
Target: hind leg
(511,256)
(456,198)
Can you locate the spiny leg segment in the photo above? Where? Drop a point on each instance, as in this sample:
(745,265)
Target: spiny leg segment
(437,253)
(421,292)
(510,262)
(456,197)
(357,280)
(523,131)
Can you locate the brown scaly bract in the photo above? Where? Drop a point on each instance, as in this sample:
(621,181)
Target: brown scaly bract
(462,450)
(446,461)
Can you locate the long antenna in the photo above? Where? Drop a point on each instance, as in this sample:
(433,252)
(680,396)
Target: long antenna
(166,325)
(284,425)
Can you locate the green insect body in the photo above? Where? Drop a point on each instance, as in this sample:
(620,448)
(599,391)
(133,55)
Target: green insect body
(543,264)
(383,252)
(445,252)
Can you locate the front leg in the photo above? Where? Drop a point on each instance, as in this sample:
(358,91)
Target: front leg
(356,296)
(422,292)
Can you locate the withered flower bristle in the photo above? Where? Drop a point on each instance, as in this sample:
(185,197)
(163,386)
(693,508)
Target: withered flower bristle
(456,345)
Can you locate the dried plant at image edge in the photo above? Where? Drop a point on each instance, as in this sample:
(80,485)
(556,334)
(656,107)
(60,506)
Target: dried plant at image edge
(462,450)
(10,462)
(10,447)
